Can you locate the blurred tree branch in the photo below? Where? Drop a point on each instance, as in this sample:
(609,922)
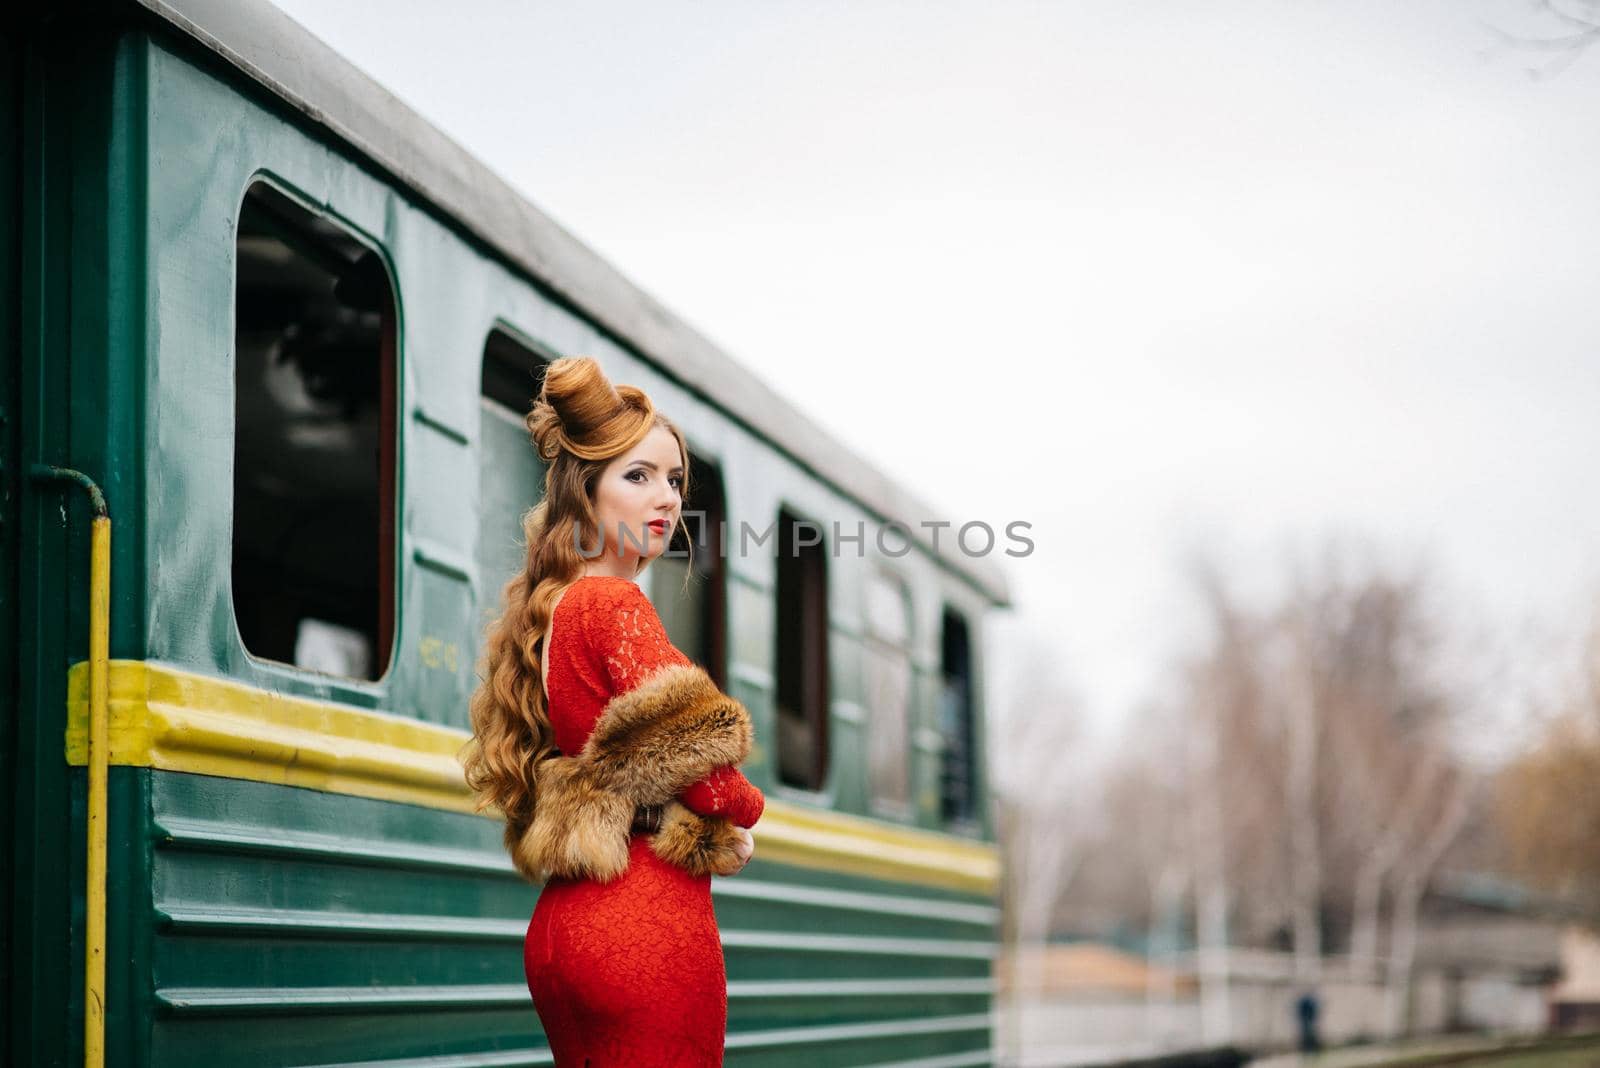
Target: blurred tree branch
(1576,27)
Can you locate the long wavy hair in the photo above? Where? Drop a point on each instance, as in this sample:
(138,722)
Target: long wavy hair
(579,423)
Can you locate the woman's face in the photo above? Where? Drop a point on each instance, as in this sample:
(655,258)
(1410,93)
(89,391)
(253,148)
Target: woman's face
(637,499)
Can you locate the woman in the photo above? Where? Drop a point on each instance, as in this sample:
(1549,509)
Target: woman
(612,756)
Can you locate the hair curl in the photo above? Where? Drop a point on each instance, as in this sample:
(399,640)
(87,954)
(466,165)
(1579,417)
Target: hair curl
(578,424)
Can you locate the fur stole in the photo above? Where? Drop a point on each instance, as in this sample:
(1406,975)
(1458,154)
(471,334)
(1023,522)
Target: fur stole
(649,743)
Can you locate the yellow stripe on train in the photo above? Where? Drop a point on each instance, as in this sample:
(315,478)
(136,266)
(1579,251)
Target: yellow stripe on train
(174,720)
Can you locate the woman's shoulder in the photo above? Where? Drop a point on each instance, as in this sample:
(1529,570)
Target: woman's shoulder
(598,602)
(619,627)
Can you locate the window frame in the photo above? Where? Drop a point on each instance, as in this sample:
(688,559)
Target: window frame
(711,650)
(504,351)
(822,719)
(391,458)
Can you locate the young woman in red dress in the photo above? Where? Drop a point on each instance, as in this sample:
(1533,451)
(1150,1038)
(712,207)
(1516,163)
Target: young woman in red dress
(612,756)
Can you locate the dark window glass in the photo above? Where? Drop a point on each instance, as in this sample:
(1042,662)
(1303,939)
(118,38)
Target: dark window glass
(958,778)
(802,653)
(694,611)
(314,443)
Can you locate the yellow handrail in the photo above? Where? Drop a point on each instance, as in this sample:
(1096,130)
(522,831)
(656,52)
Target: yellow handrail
(94,960)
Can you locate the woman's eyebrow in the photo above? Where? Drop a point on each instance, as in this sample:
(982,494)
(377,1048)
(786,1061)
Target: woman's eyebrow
(651,466)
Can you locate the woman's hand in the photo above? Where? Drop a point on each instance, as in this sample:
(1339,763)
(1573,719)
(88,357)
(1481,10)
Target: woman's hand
(746,847)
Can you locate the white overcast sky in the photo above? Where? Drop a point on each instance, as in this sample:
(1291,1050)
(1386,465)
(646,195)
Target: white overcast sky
(1150,276)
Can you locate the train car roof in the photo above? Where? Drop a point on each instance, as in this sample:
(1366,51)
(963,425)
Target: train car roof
(272,49)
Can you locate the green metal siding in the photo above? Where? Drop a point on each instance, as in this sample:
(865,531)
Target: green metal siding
(82,405)
(294,927)
(10,475)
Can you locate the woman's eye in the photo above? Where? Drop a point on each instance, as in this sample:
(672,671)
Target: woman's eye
(676,481)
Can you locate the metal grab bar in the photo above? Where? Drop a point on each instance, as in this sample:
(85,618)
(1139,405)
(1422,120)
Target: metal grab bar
(94,962)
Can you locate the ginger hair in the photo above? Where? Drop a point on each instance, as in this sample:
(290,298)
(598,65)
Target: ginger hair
(579,423)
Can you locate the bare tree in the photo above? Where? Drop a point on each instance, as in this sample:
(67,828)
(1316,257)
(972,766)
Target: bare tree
(1299,699)
(1388,723)
(1397,831)
(1331,695)
(1146,851)
(1040,771)
(1304,785)
(1415,869)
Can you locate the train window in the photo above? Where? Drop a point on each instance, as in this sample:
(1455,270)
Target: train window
(510,473)
(687,581)
(802,653)
(889,681)
(314,441)
(958,780)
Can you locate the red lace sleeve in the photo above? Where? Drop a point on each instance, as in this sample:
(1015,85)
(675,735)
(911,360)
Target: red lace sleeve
(629,639)
(634,645)
(727,793)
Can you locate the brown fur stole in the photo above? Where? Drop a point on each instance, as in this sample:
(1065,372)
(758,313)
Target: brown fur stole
(649,743)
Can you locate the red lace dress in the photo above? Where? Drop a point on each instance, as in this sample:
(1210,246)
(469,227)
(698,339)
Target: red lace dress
(630,973)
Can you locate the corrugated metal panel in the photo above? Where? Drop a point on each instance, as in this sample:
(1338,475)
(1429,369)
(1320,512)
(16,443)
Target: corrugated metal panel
(292,926)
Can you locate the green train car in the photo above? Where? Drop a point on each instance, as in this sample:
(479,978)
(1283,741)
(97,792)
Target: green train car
(287,329)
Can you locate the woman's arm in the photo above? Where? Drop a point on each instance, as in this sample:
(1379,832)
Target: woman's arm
(727,793)
(634,645)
